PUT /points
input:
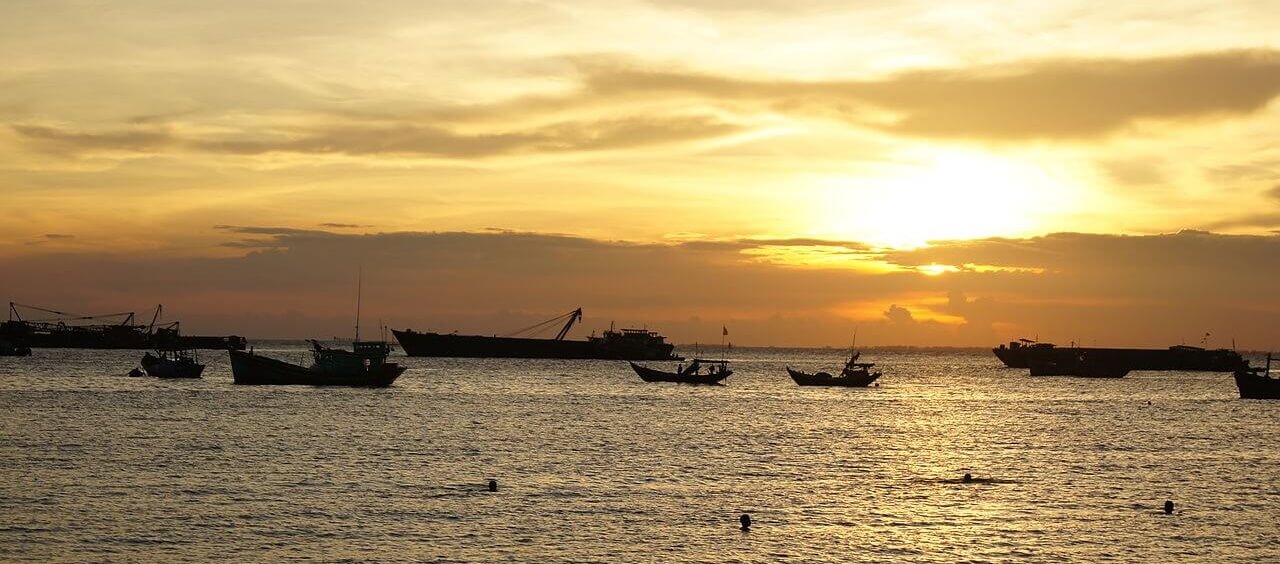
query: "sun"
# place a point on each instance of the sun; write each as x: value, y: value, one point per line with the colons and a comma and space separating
x: 938, y: 194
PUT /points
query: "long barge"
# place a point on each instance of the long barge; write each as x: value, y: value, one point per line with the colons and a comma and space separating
x: 621, y: 344
x: 1025, y: 353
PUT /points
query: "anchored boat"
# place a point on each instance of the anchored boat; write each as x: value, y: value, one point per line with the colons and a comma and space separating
x: 621, y: 344
x: 364, y: 366
x: 854, y: 375
x: 699, y: 371
x: 1023, y: 353
x: 1255, y: 382
x: 172, y: 363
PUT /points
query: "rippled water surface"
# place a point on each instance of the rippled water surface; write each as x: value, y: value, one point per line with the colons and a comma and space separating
x: 595, y: 465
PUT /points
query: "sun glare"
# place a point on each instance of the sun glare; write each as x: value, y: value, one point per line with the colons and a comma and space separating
x: 943, y: 194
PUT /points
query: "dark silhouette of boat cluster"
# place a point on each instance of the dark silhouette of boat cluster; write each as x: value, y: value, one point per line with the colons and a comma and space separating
x: 109, y: 331
x: 1027, y: 353
x: 366, y: 364
x: 712, y: 372
x: 1047, y: 359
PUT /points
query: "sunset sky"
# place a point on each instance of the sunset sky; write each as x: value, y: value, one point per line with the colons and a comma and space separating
x: 931, y: 174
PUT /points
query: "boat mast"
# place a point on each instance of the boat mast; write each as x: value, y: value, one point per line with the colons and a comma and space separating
x: 853, y: 345
x: 359, y: 279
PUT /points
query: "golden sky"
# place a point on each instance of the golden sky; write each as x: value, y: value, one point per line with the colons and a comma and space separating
x: 940, y: 174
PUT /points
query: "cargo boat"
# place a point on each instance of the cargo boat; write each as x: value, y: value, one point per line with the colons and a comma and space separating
x: 620, y: 344
x: 1024, y: 353
x: 71, y: 331
x: 364, y: 366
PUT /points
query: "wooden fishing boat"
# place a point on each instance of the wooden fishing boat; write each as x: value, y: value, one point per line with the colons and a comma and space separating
x: 364, y: 366
x: 854, y: 375
x: 172, y: 364
x: 1255, y: 382
x: 699, y: 371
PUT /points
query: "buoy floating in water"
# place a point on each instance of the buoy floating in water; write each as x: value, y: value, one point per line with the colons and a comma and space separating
x: 493, y: 485
x: 746, y: 522
x: 1168, y: 507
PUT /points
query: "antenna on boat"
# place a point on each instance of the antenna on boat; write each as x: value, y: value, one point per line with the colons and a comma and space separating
x: 359, y: 280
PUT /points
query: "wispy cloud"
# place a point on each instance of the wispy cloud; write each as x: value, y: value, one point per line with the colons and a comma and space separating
x: 1057, y: 99
x: 408, y: 139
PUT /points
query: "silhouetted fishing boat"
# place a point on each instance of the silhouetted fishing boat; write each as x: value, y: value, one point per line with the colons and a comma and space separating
x: 694, y: 373
x: 110, y: 331
x: 364, y: 366
x: 854, y: 375
x: 1255, y: 382
x: 1022, y: 353
x: 621, y: 344
x: 172, y: 364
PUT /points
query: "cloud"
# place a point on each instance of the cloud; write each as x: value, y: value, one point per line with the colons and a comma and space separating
x: 136, y: 140
x: 397, y: 139
x: 618, y: 105
x: 1053, y: 99
x: 1123, y: 290
x: 50, y: 238
x: 899, y: 314
x: 344, y: 225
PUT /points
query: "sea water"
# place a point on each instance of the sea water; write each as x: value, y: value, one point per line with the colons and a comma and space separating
x: 594, y: 465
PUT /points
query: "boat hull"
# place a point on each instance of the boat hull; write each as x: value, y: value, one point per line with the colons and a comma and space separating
x: 248, y: 368
x: 860, y: 380
x: 1257, y: 386
x: 8, y: 349
x: 1174, y: 358
x: 1079, y: 370
x: 165, y: 368
x: 651, y: 375
x: 478, y: 346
